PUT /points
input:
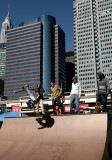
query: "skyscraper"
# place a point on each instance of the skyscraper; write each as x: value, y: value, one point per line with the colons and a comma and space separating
x: 92, y: 40
x: 2, y: 60
x: 6, y: 25
x: 33, y: 50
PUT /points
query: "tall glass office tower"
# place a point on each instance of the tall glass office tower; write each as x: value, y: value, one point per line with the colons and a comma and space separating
x: 35, y: 53
x: 47, y: 22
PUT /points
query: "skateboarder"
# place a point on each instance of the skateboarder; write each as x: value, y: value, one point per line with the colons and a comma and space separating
x: 34, y: 96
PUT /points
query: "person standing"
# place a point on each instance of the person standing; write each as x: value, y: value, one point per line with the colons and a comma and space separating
x: 56, y: 92
x: 75, y: 94
x: 103, y: 89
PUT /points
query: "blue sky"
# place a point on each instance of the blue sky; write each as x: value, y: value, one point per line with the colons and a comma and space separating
x: 22, y: 10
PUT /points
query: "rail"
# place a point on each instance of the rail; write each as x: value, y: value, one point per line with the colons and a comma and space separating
x: 87, y: 96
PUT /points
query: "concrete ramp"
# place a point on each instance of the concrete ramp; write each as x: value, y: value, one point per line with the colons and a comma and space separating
x: 74, y: 137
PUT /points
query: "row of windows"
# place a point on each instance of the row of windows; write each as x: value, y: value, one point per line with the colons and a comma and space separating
x: 104, y: 20
x: 103, y: 36
x: 25, y: 51
x: 84, y: 6
x: 107, y: 57
x: 107, y: 70
x: 85, y: 31
x: 21, y: 75
x: 22, y: 78
x: 104, y: 8
x: 23, y: 46
x: 85, y: 50
x: 88, y: 82
x: 107, y: 61
x: 86, y: 12
x: 18, y: 64
x: 23, y: 30
x: 84, y: 27
x: 23, y: 41
x: 86, y: 74
x: 22, y: 67
x: 84, y: 39
x: 105, y: 28
x: 24, y: 70
x: 102, y: 49
x: 22, y: 38
x: 23, y: 61
x: 25, y: 55
x: 105, y: 66
x: 29, y: 81
x: 86, y: 46
x: 103, y: 4
x: 33, y: 33
x: 24, y: 27
x: 105, y: 24
x: 107, y: 52
x: 103, y: 1
x: 18, y: 47
x: 89, y: 57
x: 83, y: 24
x: 85, y: 54
x: 2, y: 53
x: 86, y: 70
x: 105, y: 15
x: 106, y: 40
x: 85, y: 65
x: 85, y: 42
x: 89, y: 87
x: 84, y: 35
x: 106, y: 44
x: 83, y: 20
x: 27, y: 59
x: 86, y: 78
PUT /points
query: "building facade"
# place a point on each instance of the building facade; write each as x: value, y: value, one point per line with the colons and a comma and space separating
x: 70, y: 69
x: 70, y: 56
x: 30, y: 55
x: 92, y: 40
x: 6, y: 25
x: 2, y: 60
x: 59, y: 61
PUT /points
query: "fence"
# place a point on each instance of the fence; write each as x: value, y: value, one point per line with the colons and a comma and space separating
x: 87, y: 97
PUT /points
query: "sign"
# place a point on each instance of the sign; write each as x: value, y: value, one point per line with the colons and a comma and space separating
x: 16, y: 108
x: 67, y: 107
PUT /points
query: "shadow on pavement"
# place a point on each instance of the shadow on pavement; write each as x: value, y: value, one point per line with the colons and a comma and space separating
x: 46, y: 121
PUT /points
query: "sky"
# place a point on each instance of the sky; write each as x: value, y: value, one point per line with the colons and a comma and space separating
x: 23, y: 10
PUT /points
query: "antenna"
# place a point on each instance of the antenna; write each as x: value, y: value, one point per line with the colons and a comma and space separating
x: 8, y: 8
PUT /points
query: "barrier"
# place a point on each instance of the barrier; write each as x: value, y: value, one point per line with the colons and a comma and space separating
x: 87, y: 97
